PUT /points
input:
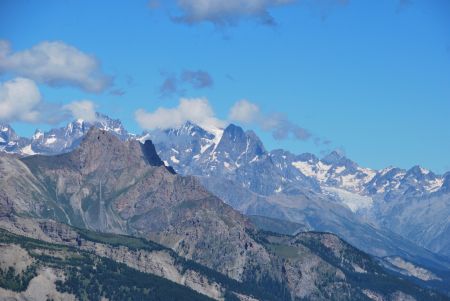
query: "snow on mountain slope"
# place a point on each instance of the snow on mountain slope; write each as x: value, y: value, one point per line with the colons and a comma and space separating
x: 59, y: 140
x: 240, y: 171
x: 9, y: 141
x: 352, y: 200
x: 336, y: 171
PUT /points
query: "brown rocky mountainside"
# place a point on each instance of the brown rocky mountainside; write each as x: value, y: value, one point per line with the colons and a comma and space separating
x: 107, y: 185
x: 112, y: 186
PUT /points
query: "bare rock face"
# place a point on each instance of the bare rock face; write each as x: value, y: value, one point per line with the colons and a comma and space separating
x: 13, y: 256
x: 41, y: 287
x: 109, y: 185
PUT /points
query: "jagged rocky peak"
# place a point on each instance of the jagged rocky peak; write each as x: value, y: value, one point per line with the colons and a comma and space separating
x: 104, y: 146
x: 333, y: 158
x: 38, y: 135
x: 233, y: 137
x: 67, y: 138
x: 7, y: 135
x: 235, y: 141
x: 383, y: 177
x: 420, y: 173
x: 59, y: 140
x: 397, y: 181
x: 150, y: 154
x: 255, y: 143
x: 99, y: 146
x: 99, y: 138
x: 189, y: 128
x: 10, y: 142
x: 308, y: 157
x: 81, y: 127
x: 101, y: 149
x: 446, y: 182
x: 337, y: 158
x: 234, y: 133
x: 7, y: 131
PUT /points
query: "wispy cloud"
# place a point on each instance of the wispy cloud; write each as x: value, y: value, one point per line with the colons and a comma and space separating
x: 282, y: 128
x: 169, y: 85
x: 199, y: 111
x: 403, y: 5
x: 176, y: 84
x: 154, y: 4
x: 225, y: 13
x: 117, y: 92
x: 230, y: 12
x: 198, y: 79
x: 277, y: 124
x: 323, y: 8
x: 55, y: 64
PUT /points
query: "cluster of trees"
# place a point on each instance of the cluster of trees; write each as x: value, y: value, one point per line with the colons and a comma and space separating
x: 376, y: 278
x: 93, y: 278
x: 17, y: 282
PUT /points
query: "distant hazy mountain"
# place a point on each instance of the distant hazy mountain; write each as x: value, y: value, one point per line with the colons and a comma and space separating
x: 10, y: 142
x: 59, y: 140
x: 330, y: 194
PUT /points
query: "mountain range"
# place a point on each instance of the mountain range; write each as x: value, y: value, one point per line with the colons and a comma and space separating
x: 320, y: 193
x: 114, y: 181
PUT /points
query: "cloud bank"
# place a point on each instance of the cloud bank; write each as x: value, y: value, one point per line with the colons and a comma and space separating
x: 199, y: 111
x: 196, y: 110
x: 55, y: 64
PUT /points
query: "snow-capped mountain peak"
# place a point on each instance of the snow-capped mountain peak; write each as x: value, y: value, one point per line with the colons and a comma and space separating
x: 333, y: 158
x: 194, y: 149
x: 275, y: 183
x: 9, y: 141
x: 334, y: 170
x: 184, y: 144
x: 38, y: 134
x: 58, y: 140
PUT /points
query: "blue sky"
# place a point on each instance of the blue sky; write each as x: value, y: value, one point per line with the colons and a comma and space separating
x: 370, y: 77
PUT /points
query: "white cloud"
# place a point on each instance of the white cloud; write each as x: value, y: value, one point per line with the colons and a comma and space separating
x: 55, y: 64
x: 244, y: 111
x: 83, y: 109
x: 278, y: 124
x: 196, y: 110
x: 19, y: 99
x: 222, y: 12
x: 282, y: 128
x: 199, y: 111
